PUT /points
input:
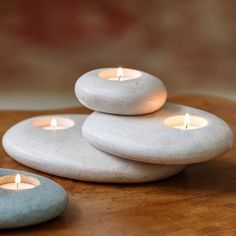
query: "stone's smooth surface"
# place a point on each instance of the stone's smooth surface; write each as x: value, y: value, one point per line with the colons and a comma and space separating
x: 148, y: 139
x: 141, y: 95
x: 66, y: 153
x: 33, y: 206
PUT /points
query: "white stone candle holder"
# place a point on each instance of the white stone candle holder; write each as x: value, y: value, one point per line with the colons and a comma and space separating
x: 64, y: 152
x: 33, y: 200
x: 162, y: 137
x: 131, y: 93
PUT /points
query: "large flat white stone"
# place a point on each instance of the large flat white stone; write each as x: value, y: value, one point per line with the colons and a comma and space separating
x: 149, y: 139
x: 141, y: 95
x: 66, y: 153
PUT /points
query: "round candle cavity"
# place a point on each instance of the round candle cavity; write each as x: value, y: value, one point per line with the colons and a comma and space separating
x: 53, y: 123
x: 178, y: 122
x: 119, y: 74
x: 8, y: 182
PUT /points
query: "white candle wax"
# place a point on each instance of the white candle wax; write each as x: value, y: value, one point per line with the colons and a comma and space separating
x: 120, y: 78
x: 184, y: 127
x: 54, y: 128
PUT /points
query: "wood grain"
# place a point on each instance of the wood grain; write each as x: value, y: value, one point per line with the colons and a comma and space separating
x: 199, y: 201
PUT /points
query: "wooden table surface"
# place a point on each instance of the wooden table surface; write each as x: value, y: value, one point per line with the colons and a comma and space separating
x: 199, y: 201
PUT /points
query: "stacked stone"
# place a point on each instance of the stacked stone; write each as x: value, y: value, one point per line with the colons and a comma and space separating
x: 133, y: 136
x: 132, y: 121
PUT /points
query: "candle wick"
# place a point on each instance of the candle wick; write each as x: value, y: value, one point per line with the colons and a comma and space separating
x: 17, y: 185
x: 186, y: 126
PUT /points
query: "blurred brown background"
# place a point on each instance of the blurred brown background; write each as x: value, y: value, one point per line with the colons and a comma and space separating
x: 47, y: 45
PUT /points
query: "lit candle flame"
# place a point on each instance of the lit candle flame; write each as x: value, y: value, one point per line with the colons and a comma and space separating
x: 119, y: 73
x: 17, y: 180
x: 53, y: 123
x: 186, y: 121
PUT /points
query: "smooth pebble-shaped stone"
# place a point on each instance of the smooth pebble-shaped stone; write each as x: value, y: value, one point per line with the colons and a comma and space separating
x: 33, y: 206
x: 143, y: 94
x: 66, y: 153
x: 151, y: 138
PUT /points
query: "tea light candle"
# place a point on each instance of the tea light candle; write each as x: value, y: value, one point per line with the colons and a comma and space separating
x: 17, y: 183
x: 186, y: 122
x: 119, y: 74
x: 53, y: 123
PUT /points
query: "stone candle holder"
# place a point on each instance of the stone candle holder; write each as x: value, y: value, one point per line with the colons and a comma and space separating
x: 160, y: 137
x: 66, y: 153
x: 43, y: 201
x: 133, y: 93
